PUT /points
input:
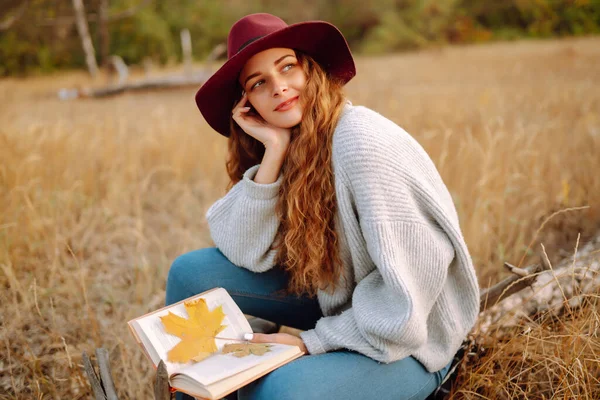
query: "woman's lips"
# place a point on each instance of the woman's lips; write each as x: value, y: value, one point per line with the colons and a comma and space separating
x: 287, y: 105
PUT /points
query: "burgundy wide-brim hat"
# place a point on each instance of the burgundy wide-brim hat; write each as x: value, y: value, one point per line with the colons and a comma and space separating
x: 257, y: 32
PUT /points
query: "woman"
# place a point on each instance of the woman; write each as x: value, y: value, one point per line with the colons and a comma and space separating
x: 336, y: 222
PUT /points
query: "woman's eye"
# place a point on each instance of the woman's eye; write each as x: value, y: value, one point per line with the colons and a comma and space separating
x: 285, y: 69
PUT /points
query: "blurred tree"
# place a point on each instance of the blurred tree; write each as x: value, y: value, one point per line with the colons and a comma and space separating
x: 40, y: 35
x: 12, y: 11
x: 84, y: 34
x: 355, y: 18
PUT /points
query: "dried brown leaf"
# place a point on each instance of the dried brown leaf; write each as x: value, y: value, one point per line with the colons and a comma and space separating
x: 245, y: 349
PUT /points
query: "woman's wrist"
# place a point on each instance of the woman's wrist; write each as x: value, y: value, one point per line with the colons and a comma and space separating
x: 303, y: 347
x: 270, y: 166
x: 278, y: 145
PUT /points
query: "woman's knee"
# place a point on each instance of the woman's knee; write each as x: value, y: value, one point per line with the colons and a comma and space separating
x: 183, y: 277
x: 285, y: 383
x: 340, y: 375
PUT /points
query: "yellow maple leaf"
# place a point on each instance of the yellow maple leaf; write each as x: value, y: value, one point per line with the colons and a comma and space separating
x: 197, y: 333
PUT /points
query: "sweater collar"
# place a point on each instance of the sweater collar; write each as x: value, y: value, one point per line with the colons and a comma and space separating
x: 347, y: 107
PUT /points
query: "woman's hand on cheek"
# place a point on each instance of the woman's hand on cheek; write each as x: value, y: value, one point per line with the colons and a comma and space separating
x: 283, y: 338
x: 258, y: 128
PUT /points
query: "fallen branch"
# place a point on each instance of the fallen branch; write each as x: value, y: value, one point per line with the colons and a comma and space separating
x: 169, y: 82
x: 555, y: 289
x: 522, y: 279
x: 188, y: 78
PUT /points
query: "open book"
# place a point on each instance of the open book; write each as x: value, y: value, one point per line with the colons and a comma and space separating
x: 219, y: 374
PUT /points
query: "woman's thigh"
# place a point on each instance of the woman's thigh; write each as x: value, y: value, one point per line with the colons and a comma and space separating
x: 204, y: 269
x: 345, y: 375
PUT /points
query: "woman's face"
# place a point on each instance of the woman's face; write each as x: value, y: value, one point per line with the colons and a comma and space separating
x: 270, y: 78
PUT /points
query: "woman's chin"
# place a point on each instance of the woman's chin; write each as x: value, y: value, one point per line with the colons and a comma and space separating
x: 288, y: 121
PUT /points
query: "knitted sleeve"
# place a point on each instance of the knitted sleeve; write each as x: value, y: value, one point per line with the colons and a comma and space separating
x: 243, y: 223
x: 389, y: 178
x: 391, y: 305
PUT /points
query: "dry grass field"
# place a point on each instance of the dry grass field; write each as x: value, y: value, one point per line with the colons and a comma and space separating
x: 97, y: 197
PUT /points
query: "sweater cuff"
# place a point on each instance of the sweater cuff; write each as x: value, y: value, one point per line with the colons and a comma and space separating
x: 312, y: 342
x: 260, y: 191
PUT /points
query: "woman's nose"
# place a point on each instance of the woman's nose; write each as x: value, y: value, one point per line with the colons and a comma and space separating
x: 279, y: 86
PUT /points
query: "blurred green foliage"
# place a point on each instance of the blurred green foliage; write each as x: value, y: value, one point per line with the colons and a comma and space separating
x: 44, y: 38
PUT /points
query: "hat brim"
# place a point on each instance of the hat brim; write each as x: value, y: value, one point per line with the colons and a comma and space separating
x: 320, y: 39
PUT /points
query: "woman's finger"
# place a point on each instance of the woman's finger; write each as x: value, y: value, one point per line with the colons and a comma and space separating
x: 264, y: 338
x: 282, y: 338
x: 238, y: 117
x: 241, y: 102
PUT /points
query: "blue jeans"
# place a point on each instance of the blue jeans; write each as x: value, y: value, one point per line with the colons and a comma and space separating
x: 340, y: 374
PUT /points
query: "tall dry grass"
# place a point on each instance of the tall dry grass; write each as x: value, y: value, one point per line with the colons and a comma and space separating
x: 544, y: 356
x: 97, y: 197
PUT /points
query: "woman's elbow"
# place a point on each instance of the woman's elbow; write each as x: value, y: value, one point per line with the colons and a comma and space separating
x: 245, y: 259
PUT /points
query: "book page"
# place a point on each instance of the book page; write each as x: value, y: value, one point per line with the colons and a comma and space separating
x: 235, y: 322
x: 219, y: 366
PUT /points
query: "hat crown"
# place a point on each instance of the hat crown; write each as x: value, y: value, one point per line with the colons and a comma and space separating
x: 250, y: 28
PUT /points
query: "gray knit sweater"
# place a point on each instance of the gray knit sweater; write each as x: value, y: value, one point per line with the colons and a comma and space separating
x: 413, y: 287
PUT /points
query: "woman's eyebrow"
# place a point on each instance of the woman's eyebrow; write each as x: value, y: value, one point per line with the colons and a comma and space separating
x: 258, y: 73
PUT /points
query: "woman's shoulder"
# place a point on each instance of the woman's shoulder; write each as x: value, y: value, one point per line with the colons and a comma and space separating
x: 357, y: 117
x: 363, y: 133
x: 371, y: 152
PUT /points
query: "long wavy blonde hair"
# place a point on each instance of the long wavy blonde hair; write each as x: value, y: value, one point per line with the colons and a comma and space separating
x: 306, y: 242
